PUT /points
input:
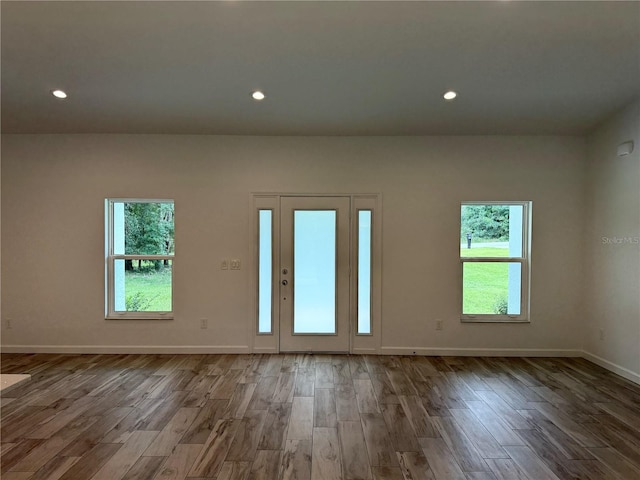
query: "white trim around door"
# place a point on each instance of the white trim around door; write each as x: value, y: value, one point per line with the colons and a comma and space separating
x: 357, y: 272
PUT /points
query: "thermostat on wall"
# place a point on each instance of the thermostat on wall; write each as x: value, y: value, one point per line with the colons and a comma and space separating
x: 625, y: 148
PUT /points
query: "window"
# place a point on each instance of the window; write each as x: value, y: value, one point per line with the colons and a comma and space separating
x: 139, y: 258
x: 494, y: 253
x: 364, y: 272
x: 265, y: 271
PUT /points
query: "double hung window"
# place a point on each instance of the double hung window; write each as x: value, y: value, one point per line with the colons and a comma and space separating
x: 139, y: 252
x: 494, y: 253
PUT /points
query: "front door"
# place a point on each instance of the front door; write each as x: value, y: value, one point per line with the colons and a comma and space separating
x: 314, y: 274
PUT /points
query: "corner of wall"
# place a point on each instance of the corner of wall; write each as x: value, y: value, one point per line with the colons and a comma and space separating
x: 611, y: 329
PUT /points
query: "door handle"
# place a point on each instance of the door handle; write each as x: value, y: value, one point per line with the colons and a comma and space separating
x: 285, y: 282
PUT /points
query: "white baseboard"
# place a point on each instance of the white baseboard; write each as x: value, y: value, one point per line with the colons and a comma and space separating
x: 613, y: 367
x: 481, y: 352
x: 213, y: 349
x: 129, y: 349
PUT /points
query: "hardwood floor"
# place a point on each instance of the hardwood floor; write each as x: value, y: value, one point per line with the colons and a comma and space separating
x: 232, y: 417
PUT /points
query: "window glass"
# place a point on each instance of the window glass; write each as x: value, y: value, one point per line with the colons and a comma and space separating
x: 486, y: 288
x: 140, y: 255
x: 314, y: 288
x: 491, y: 231
x: 364, y: 272
x: 265, y: 265
x: 146, y: 288
x: 493, y: 246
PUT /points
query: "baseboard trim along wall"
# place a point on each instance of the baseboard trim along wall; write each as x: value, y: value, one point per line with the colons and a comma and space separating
x: 213, y: 349
x: 613, y: 367
x: 481, y: 352
x: 129, y: 349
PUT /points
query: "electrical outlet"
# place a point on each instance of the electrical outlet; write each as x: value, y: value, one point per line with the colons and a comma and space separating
x: 9, y: 325
x: 204, y: 323
x: 235, y: 264
x: 438, y: 324
x: 601, y: 334
x: 224, y: 264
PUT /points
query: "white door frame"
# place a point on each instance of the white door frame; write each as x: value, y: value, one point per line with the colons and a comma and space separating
x: 269, y: 341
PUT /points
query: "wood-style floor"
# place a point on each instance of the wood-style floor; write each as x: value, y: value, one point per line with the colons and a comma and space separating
x: 223, y: 417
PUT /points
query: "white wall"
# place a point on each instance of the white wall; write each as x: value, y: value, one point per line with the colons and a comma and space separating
x: 54, y: 186
x: 612, y: 294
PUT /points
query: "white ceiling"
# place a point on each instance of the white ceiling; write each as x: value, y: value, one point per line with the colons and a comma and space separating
x: 327, y: 68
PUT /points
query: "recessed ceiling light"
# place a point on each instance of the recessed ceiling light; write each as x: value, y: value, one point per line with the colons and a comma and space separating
x: 58, y: 94
x: 258, y: 95
x: 450, y: 95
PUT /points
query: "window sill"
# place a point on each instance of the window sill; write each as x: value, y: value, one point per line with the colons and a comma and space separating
x: 149, y: 317
x: 495, y: 320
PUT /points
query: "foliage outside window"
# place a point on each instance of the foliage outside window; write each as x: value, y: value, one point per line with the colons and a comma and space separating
x: 140, y: 251
x: 494, y: 245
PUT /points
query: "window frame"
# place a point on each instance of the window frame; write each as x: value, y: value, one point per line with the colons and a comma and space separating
x: 110, y: 259
x: 525, y: 268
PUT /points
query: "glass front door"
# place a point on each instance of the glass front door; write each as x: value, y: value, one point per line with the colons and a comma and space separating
x: 314, y: 274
